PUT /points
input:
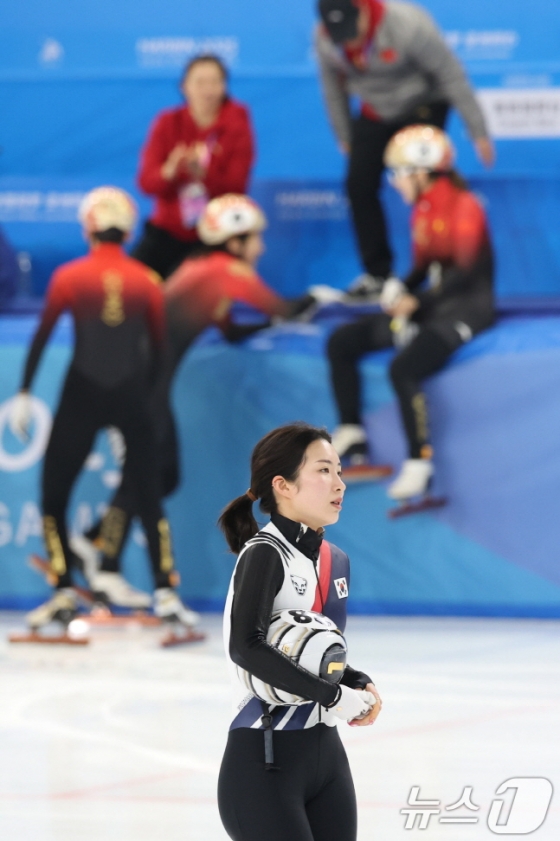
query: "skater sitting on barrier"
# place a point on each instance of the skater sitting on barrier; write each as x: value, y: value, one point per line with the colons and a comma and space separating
x: 118, y: 312
x: 426, y: 321
x: 198, y: 295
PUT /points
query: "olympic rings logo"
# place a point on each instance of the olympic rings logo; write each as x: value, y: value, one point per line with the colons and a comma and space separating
x: 35, y: 447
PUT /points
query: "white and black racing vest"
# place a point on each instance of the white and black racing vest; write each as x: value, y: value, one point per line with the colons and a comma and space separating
x: 322, y: 588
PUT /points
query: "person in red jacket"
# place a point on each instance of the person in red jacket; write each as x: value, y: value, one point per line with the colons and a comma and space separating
x: 118, y: 311
x: 194, y: 153
x: 446, y: 299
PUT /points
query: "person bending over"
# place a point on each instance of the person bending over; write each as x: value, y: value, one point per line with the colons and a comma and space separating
x: 392, y: 58
x: 200, y: 294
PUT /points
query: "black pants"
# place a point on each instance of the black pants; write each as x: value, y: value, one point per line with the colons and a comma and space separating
x: 161, y: 251
x: 84, y: 409
x: 365, y: 167
x: 309, y: 798
x: 111, y: 532
x: 426, y: 354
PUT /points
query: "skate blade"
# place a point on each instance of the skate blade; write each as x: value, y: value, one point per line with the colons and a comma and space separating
x: 424, y: 504
x: 365, y: 473
x: 44, y: 639
x: 190, y: 635
x: 43, y: 567
x: 101, y: 616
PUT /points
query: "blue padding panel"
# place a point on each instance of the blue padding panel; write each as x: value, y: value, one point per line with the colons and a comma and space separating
x: 492, y: 551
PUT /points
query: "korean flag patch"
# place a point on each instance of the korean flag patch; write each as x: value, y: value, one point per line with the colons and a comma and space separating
x: 300, y: 584
x: 341, y: 588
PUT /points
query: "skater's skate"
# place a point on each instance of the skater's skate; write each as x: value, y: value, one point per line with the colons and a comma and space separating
x: 350, y: 442
x: 62, y: 608
x: 86, y: 554
x: 411, y: 487
x: 182, y: 620
x: 110, y: 588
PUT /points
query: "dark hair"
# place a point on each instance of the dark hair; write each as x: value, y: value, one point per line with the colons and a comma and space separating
x: 200, y: 59
x: 455, y: 177
x: 203, y: 250
x: 110, y: 235
x: 280, y: 453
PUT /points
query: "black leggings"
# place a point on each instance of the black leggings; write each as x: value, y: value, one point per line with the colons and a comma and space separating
x: 161, y: 251
x: 365, y: 167
x: 426, y: 354
x: 111, y: 532
x: 309, y: 798
x: 84, y: 409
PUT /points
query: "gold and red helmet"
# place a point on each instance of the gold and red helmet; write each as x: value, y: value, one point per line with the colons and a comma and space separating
x: 229, y: 216
x: 420, y: 147
x: 107, y: 207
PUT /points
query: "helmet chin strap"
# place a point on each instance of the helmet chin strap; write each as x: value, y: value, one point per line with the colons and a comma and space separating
x: 418, y: 188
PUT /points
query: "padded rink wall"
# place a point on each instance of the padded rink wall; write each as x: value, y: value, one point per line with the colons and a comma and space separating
x: 492, y: 551
x: 80, y: 84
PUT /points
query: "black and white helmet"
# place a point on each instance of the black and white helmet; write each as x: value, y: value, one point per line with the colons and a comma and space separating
x: 309, y: 639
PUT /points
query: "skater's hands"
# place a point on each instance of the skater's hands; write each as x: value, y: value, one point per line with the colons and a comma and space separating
x: 177, y: 160
x: 352, y: 703
x: 325, y: 294
x: 393, y: 291
x: 373, y: 713
x: 485, y: 151
x: 20, y: 415
x: 406, y: 306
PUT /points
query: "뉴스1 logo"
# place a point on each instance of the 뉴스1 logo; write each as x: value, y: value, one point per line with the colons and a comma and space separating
x: 527, y: 811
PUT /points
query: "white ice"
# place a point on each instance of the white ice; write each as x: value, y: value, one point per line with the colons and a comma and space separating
x: 123, y: 740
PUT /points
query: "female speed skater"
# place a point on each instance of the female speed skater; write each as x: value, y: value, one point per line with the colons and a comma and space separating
x: 285, y: 774
x: 445, y: 300
x: 199, y: 294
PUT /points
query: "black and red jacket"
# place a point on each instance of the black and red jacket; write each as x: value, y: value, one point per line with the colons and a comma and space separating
x: 451, y: 245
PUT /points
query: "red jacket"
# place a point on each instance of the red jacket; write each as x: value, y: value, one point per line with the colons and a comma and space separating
x: 231, y: 150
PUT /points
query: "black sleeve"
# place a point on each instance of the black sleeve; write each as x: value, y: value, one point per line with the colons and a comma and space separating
x: 415, y: 277
x: 258, y: 578
x: 234, y: 332
x: 297, y: 306
x: 35, y: 352
x: 355, y: 679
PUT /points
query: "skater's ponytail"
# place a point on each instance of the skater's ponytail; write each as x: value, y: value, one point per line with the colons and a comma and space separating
x: 280, y: 453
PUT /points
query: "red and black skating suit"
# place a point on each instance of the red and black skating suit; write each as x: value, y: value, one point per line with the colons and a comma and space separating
x: 117, y: 307
x: 200, y: 294
x: 452, y: 278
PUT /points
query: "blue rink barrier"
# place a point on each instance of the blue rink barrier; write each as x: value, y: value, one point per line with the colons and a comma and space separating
x: 492, y: 552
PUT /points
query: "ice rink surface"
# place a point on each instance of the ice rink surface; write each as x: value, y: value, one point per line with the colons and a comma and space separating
x: 123, y: 740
